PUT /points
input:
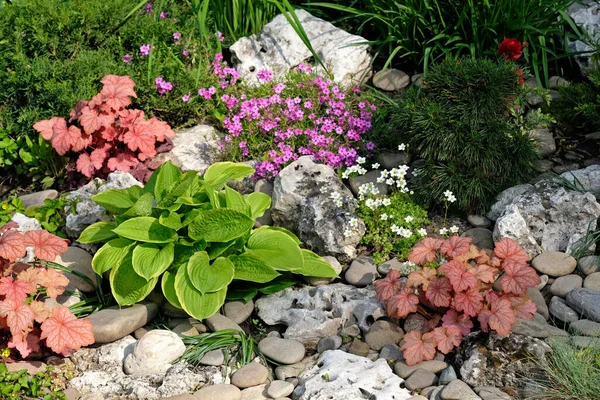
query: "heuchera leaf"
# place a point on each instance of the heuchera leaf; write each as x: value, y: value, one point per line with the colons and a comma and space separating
x: 501, y: 317
x: 117, y: 90
x: 55, y: 282
x: 447, y: 338
x: 460, y: 276
x: 46, y: 246
x: 16, y: 290
x: 402, y: 303
x: 418, y: 347
x: 12, y: 245
x: 425, y: 251
x: 455, y: 246
x: 85, y: 166
x: 25, y: 343
x: 387, y: 287
x: 470, y: 302
x: 19, y: 316
x: 45, y: 127
x: 518, y: 277
x: 438, y: 292
x: 139, y: 137
x: 40, y: 312
x: 421, y: 277
x: 510, y: 251
x: 64, y: 332
x: 62, y: 138
x: 485, y: 273
x: 523, y: 307
x: 461, y: 321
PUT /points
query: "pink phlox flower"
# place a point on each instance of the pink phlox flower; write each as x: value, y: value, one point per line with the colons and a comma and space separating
x: 145, y: 50
x: 264, y: 75
x: 163, y: 86
x: 127, y: 58
x: 186, y: 97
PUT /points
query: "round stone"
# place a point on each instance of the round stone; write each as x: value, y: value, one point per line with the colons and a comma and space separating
x: 383, y: 333
x: 329, y: 343
x: 214, y: 358
x: 420, y: 379
x: 154, y: 353
x: 554, y: 263
x: 79, y: 261
x: 585, y: 327
x: 238, y: 311
x: 478, y: 221
x: 539, y: 301
x: 561, y: 311
x: 221, y: 392
x: 218, y: 322
x: 592, y: 281
x: 362, y: 272
x: 458, y: 390
x: 433, y: 366
x: 415, y: 322
x: 589, y: 264
x: 543, y: 282
x: 394, y: 263
x: 447, y: 375
x: 564, y: 284
x: 186, y: 329
x: 391, y: 80
x: 279, y: 389
x: 249, y: 375
x: 359, y: 348
x: 481, y: 237
x: 391, y: 352
x: 282, y: 351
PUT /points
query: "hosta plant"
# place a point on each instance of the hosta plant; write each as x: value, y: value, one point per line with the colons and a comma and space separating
x: 104, y: 134
x: 455, y: 289
x: 195, y: 236
x: 25, y: 322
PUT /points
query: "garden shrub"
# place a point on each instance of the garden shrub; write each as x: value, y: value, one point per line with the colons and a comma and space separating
x: 462, y: 126
x: 25, y: 322
x: 579, y: 105
x: 183, y: 229
x: 455, y: 286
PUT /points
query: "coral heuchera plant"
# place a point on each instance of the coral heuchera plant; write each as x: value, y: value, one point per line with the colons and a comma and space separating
x: 455, y: 288
x: 25, y: 322
x: 106, y: 134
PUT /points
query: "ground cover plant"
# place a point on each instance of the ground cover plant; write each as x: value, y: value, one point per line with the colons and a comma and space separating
x: 183, y: 230
x: 44, y: 385
x: 454, y: 288
x: 25, y: 322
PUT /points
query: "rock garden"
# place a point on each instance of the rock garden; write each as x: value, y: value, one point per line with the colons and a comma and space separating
x: 209, y: 199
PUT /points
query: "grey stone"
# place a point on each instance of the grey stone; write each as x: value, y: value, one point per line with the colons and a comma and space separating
x: 358, y: 347
x: 218, y: 322
x: 391, y: 352
x: 36, y: 199
x: 565, y: 167
x: 238, y: 311
x: 585, y: 342
x: 537, y: 328
x: 370, y: 177
x: 255, y: 393
x: 458, y: 390
x: 383, y: 333
x: 221, y: 392
x: 447, y: 375
x: 362, y: 272
x: 415, y: 322
x: 113, y: 323
x: 592, y: 281
x: 140, y: 332
x: 418, y: 81
x: 249, y: 375
x: 481, y: 237
x: 491, y: 393
x: 586, y: 178
x: 420, y: 379
x: 214, y: 358
x: 66, y: 300
x: 564, y: 284
x: 433, y: 366
x: 266, y: 187
x: 279, y: 389
x: 542, y: 166
x: 554, y: 263
x: 154, y: 353
x: 316, y: 281
x: 394, y: 263
x: 299, y: 206
x: 350, y: 377
x: 585, y: 327
x: 543, y: 141
x: 391, y: 80
x: 589, y: 264
x: 560, y: 310
x: 292, y: 371
x: 278, y: 48
x: 312, y: 313
x: 538, y: 299
x: 390, y: 159
x: 329, y: 343
x: 548, y: 217
x: 79, y: 261
x: 194, y: 149
x: 543, y: 282
x: 282, y: 351
x: 586, y: 302
x: 479, y: 221
x: 556, y: 81
x: 431, y: 391
x: 505, y: 198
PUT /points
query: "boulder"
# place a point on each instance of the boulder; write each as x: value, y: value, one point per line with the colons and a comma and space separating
x: 312, y: 313
x: 113, y: 323
x: 561, y: 311
x: 543, y: 141
x: 586, y: 302
x: 391, y: 80
x: 587, y: 16
x: 339, y: 375
x: 300, y: 206
x: 586, y: 178
x: 546, y: 216
x: 36, y: 199
x: 278, y: 48
x: 154, y: 353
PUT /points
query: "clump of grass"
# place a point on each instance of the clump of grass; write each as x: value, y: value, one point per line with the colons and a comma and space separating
x: 236, y: 344
x: 568, y: 373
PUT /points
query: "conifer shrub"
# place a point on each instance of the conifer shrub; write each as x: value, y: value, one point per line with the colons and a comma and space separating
x: 461, y: 125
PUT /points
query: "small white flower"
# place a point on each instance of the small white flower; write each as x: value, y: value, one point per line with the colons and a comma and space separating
x: 406, y: 233
x: 402, y: 147
x: 443, y: 231
x: 389, y: 181
x: 448, y: 193
x: 422, y: 232
x: 384, y: 217
x: 409, y: 219
x: 454, y: 229
x: 324, y: 189
x: 386, y: 202
x: 354, y: 222
x: 346, y: 174
x: 375, y: 166
x: 347, y: 233
x: 339, y: 203
x: 411, y: 192
x: 385, y: 173
x: 361, y: 160
x: 394, y: 228
x: 381, y: 179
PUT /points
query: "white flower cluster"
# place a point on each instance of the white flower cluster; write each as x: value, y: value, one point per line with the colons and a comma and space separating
x: 449, y: 196
x: 453, y: 229
x: 401, y: 231
x: 367, y: 189
x: 395, y: 177
x: 337, y: 198
x: 353, y: 224
x: 358, y: 169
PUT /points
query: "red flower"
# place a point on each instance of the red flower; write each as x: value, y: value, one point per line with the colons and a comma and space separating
x: 511, y: 49
x: 520, y: 76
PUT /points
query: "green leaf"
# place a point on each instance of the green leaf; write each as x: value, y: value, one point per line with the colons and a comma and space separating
x: 276, y: 249
x: 220, y: 225
x: 146, y: 229
x: 282, y: 230
x: 207, y: 277
x: 198, y: 305
x: 211, y: 193
x: 116, y: 201
x: 111, y: 255
x: 127, y: 286
x: 316, y: 266
x: 168, y: 288
x: 98, y: 232
x: 149, y: 260
x: 279, y: 284
x: 259, y: 203
x: 185, y: 186
x: 135, y: 192
x: 218, y: 174
x: 162, y: 179
x: 216, y: 248
x: 235, y: 201
x: 141, y: 208
x: 170, y: 220
x: 250, y: 268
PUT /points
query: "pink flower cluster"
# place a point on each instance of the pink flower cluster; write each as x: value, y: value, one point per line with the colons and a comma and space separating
x: 323, y: 121
x: 163, y: 86
x: 227, y: 75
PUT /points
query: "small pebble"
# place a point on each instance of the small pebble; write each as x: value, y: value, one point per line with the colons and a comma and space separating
x: 282, y: 351
x: 434, y: 366
x: 447, y: 375
x: 420, y: 379
x: 214, y: 358
x: 218, y: 322
x: 221, y: 392
x: 359, y: 348
x: 592, y: 281
x: 279, y: 389
x: 238, y: 311
x: 362, y: 272
x: 391, y: 352
x: 329, y: 343
x: 564, y: 284
x: 250, y: 375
